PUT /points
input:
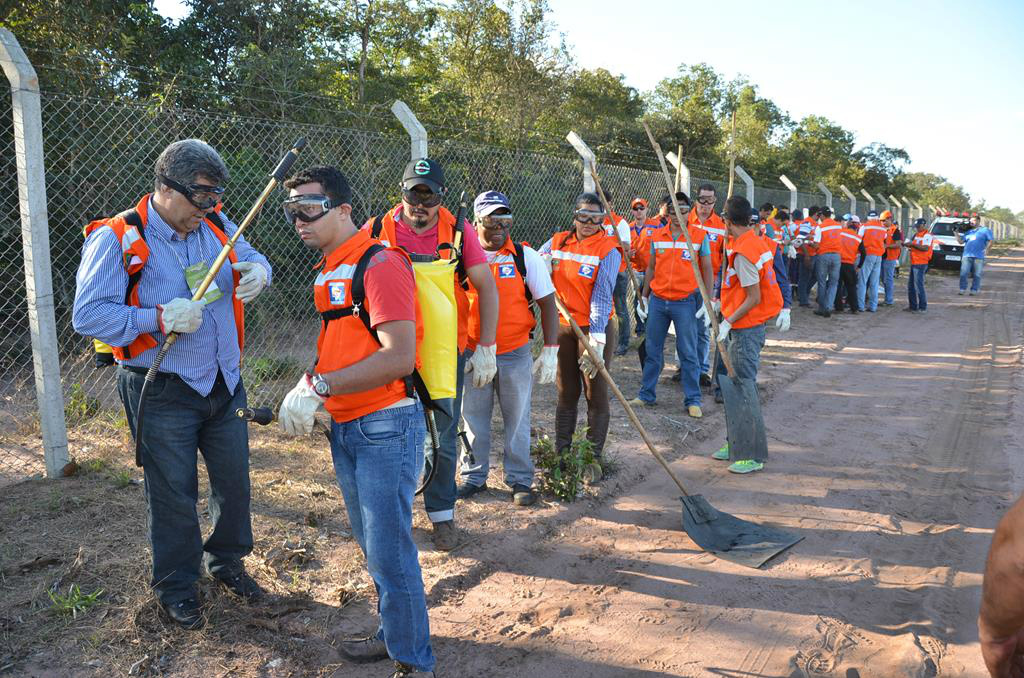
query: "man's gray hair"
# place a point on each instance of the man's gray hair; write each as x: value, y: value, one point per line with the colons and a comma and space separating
x: 182, y: 160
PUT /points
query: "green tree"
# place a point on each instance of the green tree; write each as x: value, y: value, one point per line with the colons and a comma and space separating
x: 687, y: 110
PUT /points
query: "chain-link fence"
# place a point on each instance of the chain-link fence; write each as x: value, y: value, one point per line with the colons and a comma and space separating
x: 99, y: 156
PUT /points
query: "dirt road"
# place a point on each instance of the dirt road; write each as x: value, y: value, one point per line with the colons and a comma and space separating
x: 893, y: 458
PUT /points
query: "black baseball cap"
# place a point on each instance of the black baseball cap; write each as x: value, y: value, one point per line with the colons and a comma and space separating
x: 426, y: 172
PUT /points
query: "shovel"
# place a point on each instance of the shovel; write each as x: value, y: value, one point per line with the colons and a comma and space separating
x: 721, y: 534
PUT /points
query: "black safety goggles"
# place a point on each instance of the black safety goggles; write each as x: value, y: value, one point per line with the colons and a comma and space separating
x: 306, y: 208
x: 420, y: 199
x: 201, y: 196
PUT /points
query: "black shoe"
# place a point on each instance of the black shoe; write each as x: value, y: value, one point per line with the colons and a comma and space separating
x: 363, y: 650
x: 823, y: 314
x: 523, y: 495
x: 705, y: 379
x: 242, y: 585
x: 805, y: 305
x: 467, y: 490
x: 185, y: 613
x: 678, y: 376
x: 718, y: 397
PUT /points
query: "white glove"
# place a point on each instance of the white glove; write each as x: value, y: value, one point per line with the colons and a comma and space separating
x: 547, y: 363
x: 546, y: 258
x: 483, y: 364
x: 702, y: 312
x: 798, y: 242
x: 790, y: 252
x: 723, y: 330
x: 298, y: 408
x: 180, y: 315
x: 587, y: 364
x: 252, y: 282
x: 782, y: 322
x: 642, y: 309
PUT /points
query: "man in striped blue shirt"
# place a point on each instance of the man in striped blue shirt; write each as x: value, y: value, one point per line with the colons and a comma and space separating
x: 134, y: 285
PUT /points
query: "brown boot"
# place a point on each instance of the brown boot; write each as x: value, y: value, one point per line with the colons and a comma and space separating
x: 445, y: 535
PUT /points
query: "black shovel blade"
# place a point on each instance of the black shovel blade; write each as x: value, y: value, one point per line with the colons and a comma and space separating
x: 731, y: 538
x: 743, y: 421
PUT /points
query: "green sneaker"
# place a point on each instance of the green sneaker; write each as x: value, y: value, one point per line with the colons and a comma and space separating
x: 722, y: 454
x: 746, y: 466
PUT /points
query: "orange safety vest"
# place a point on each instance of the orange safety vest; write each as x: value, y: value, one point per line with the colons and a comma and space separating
x: 673, y: 273
x: 917, y: 257
x: 830, y: 231
x: 642, y: 244
x: 715, y: 228
x: 891, y: 253
x: 754, y: 249
x: 135, y: 253
x: 574, y: 267
x: 344, y: 341
x: 517, y: 319
x: 445, y: 250
x: 874, y: 236
x: 850, y: 246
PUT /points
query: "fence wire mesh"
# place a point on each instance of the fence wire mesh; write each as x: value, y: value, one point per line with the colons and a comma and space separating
x: 99, y: 156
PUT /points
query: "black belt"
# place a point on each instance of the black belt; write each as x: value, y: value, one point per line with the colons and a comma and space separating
x: 144, y: 370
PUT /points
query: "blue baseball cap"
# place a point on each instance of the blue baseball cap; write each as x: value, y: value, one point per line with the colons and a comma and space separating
x: 489, y: 202
x: 872, y: 213
x: 846, y: 217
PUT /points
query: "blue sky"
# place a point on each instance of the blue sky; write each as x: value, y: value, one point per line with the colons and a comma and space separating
x: 941, y: 79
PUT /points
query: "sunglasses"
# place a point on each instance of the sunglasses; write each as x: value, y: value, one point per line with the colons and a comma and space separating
x: 639, y: 207
x: 201, y: 196
x: 589, y: 216
x: 306, y: 208
x: 419, y: 198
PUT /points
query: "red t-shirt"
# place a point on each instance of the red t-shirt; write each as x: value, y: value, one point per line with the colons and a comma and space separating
x: 390, y: 288
x: 426, y: 242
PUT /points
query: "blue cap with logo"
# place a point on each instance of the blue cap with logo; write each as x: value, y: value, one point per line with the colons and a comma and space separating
x: 872, y: 214
x: 490, y: 201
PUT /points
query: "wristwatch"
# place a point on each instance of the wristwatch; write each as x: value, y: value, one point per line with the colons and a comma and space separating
x: 320, y: 385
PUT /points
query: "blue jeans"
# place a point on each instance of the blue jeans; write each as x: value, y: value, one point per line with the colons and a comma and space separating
x: 888, y: 278
x: 826, y: 267
x: 806, y: 279
x: 868, y: 281
x: 513, y: 385
x: 971, y: 267
x: 681, y: 314
x: 439, y: 496
x: 745, y: 355
x: 915, y: 287
x: 622, y: 310
x: 178, y: 422
x: 377, y: 459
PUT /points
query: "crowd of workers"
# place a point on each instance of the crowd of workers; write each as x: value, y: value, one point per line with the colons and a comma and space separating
x: 140, y: 269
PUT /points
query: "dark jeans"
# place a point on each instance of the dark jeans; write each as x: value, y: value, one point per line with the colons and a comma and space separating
x: 847, y: 294
x: 179, y: 421
x: 745, y: 355
x: 439, y: 496
x: 915, y: 287
x: 827, y: 267
x: 807, y: 279
x: 622, y: 309
x: 571, y: 383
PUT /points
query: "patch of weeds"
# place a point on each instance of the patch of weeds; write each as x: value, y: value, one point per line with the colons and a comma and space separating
x: 79, y: 406
x: 564, y: 472
x: 55, y: 501
x: 94, y: 466
x: 261, y: 370
x: 122, y: 479
x: 75, y: 602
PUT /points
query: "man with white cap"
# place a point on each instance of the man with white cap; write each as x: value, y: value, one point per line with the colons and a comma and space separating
x: 522, y: 278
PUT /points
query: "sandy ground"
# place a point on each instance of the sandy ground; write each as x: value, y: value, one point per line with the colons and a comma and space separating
x: 891, y: 439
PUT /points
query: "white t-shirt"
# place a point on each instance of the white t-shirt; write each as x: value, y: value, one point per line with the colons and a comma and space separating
x: 538, y: 280
x: 745, y: 271
x: 622, y: 229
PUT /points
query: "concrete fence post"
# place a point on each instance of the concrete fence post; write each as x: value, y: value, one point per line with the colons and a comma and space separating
x: 35, y: 237
x: 412, y: 125
x: 899, y: 208
x: 849, y: 196
x: 683, y: 170
x: 793, y: 197
x: 885, y: 203
x: 871, y: 200
x: 589, y: 160
x: 748, y: 182
x: 827, y: 193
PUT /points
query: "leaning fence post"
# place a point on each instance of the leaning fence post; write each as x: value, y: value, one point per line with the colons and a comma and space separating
x: 827, y: 193
x: 682, y: 170
x: 412, y: 125
x: 871, y: 199
x: 35, y: 237
x: 899, y: 208
x: 792, y: 192
x: 885, y: 203
x: 851, y: 197
x: 588, y: 158
x: 748, y: 181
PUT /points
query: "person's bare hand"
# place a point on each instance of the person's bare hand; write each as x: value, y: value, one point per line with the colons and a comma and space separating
x: 1004, y: 657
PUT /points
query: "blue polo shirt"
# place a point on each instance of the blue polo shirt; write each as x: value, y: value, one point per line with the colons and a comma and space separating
x: 975, y: 242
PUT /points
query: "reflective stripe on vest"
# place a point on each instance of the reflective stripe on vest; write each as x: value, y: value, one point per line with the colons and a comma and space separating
x: 517, y: 320
x: 673, y: 271
x: 754, y: 249
x: 574, y: 267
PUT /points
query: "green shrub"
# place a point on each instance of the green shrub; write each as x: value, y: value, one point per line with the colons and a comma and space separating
x: 564, y: 472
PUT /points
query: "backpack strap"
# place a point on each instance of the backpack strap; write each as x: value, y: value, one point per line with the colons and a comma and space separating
x: 520, y: 258
x: 377, y: 227
x: 132, y: 218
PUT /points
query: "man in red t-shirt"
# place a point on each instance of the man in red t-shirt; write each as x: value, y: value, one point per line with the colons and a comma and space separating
x: 419, y: 224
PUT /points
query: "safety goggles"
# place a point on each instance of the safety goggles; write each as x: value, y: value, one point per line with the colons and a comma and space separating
x: 706, y: 201
x: 493, y: 222
x: 589, y: 216
x: 639, y: 207
x: 202, y: 196
x: 421, y: 199
x: 306, y: 208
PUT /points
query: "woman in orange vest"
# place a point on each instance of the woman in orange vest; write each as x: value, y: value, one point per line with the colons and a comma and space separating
x: 920, y: 255
x: 377, y: 427
x: 750, y: 296
x: 584, y: 265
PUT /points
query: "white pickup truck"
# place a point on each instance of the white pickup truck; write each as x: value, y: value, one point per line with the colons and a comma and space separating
x: 946, y: 251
